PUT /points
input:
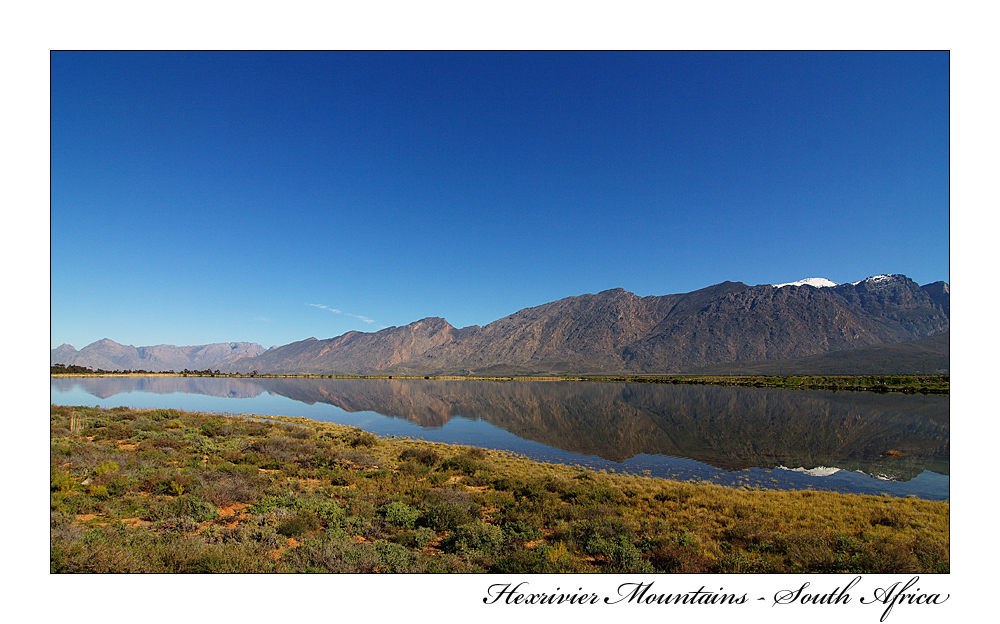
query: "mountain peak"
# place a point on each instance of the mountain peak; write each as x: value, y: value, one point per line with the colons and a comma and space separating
x: 880, y: 279
x: 815, y: 282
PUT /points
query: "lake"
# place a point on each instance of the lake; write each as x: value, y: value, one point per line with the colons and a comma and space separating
x: 857, y: 442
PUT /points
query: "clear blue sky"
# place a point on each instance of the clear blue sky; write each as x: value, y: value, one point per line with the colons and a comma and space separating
x: 217, y: 197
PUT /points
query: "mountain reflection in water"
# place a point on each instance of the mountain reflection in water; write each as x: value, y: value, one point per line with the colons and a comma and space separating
x: 891, y: 437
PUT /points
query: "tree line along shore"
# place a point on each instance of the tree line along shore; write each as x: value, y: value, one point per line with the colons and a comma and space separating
x: 909, y: 384
x: 171, y: 491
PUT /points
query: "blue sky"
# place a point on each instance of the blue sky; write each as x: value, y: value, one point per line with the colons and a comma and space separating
x: 214, y: 197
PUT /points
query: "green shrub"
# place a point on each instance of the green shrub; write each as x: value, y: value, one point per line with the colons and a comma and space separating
x: 114, y: 431
x: 414, y: 469
x: 62, y: 482
x: 211, y: 429
x: 357, y: 438
x: 521, y: 531
x: 193, y: 507
x: 476, y: 536
x: 424, y: 456
x: 620, y: 555
x: 464, y: 463
x: 423, y: 536
x: 164, y: 414
x: 328, y: 511
x: 106, y: 467
x: 271, y: 503
x: 525, y: 561
x: 302, y: 522
x: 334, y: 556
x: 401, y: 515
x: 393, y: 558
x: 445, y: 509
x: 603, y: 527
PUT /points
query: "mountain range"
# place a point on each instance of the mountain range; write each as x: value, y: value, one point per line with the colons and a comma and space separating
x: 725, y: 326
x: 109, y: 355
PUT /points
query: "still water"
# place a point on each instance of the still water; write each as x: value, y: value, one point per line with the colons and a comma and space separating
x: 784, y: 439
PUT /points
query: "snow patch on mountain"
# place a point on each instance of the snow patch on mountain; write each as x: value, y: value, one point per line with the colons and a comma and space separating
x: 815, y: 282
x: 877, y: 279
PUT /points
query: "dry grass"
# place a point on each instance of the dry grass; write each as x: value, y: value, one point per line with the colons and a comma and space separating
x: 237, y: 493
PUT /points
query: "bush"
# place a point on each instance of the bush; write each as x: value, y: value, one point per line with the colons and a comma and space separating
x: 213, y: 429
x: 465, y: 463
x: 179, y: 524
x: 678, y: 559
x: 476, y: 537
x: 302, y: 522
x: 401, y: 515
x: 414, y: 469
x: 193, y: 507
x: 328, y: 511
x: 347, y: 557
x: 357, y: 438
x: 361, y: 459
x: 525, y: 561
x: 424, y: 456
x: 620, y: 555
x: 106, y: 467
x: 603, y: 528
x: 62, y: 482
x: 231, y: 487
x: 521, y: 531
x: 446, y: 509
x: 114, y: 431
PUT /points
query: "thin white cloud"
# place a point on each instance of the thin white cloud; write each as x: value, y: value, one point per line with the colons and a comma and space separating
x: 336, y: 311
x: 264, y: 318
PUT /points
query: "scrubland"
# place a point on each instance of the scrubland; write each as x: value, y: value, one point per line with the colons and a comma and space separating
x: 171, y: 491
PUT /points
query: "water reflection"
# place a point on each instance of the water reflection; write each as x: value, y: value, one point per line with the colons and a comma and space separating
x: 891, y: 437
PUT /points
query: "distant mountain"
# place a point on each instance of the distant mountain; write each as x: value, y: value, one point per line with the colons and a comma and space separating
x: 109, y: 355
x: 618, y: 332
x: 355, y: 352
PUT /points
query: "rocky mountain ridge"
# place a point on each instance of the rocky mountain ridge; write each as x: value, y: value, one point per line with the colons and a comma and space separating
x: 613, y: 331
x: 109, y: 355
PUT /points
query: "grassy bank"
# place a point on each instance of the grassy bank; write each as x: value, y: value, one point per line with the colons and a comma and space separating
x: 171, y: 491
x: 910, y: 384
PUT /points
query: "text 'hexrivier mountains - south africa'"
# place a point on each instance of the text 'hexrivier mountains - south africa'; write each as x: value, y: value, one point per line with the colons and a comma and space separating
x: 882, y: 324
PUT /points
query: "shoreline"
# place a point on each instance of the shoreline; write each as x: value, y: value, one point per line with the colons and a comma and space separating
x: 907, y: 384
